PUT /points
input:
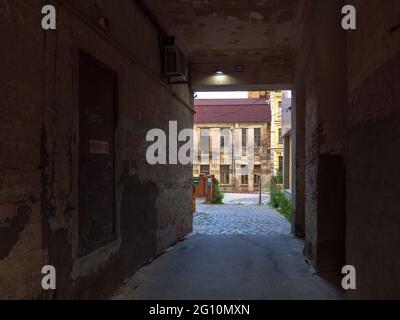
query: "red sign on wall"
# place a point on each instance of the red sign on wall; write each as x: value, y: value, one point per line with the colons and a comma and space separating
x: 98, y: 147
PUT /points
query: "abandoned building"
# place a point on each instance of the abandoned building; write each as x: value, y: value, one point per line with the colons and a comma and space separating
x: 232, y: 142
x: 76, y: 103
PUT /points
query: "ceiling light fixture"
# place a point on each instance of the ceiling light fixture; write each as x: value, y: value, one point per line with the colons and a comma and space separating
x: 219, y: 71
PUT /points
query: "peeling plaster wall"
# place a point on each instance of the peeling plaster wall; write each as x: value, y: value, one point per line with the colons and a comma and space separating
x: 355, y: 138
x: 229, y: 29
x: 38, y: 186
x: 373, y: 155
x: 321, y: 82
x: 21, y: 252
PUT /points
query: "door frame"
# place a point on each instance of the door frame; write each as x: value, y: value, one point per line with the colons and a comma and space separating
x: 82, y: 265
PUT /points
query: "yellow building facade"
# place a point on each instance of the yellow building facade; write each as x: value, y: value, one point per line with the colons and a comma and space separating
x: 275, y: 98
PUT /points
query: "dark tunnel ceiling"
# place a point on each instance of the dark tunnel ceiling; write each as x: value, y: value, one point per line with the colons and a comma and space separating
x: 230, y: 30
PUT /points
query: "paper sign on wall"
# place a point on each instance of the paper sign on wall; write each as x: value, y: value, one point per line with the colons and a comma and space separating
x: 98, y: 147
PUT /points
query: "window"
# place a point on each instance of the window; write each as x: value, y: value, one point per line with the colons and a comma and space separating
x: 244, y: 175
x: 244, y: 138
x: 244, y: 142
x: 257, y: 137
x: 205, y: 170
x: 224, y: 137
x: 224, y: 141
x: 224, y: 174
x: 204, y: 142
x: 280, y: 136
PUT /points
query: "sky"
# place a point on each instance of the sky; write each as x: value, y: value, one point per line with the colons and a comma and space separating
x: 222, y: 95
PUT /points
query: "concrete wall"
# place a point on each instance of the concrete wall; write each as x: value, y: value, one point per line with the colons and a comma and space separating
x: 373, y: 156
x: 38, y: 184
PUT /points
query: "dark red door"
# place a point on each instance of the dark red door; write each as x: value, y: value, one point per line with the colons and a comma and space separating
x: 97, y: 118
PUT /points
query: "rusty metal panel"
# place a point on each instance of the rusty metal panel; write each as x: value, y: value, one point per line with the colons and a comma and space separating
x: 97, y: 118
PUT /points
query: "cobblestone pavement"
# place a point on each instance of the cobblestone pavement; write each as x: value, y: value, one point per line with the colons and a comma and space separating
x: 239, y: 216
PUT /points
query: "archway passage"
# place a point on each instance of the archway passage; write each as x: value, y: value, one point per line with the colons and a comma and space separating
x: 239, y: 183
x: 238, y: 152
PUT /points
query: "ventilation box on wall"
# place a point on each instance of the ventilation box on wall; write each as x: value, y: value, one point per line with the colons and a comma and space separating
x: 175, y: 65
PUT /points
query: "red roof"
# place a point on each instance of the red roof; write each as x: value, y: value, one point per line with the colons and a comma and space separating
x: 232, y: 111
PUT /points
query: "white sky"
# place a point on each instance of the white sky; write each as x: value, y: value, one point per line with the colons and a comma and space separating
x: 223, y: 95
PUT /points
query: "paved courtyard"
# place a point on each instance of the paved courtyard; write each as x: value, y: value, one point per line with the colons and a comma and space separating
x: 240, y: 215
x: 229, y: 267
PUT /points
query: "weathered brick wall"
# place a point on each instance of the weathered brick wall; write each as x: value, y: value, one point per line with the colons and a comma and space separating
x: 38, y: 187
x: 373, y: 155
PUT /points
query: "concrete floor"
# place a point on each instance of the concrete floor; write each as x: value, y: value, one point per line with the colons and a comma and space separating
x: 209, y: 267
